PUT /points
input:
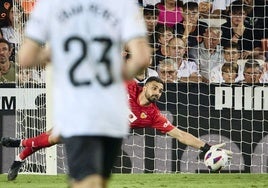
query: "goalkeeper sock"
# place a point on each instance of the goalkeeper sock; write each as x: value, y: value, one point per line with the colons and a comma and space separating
x: 38, y: 141
x: 27, y: 152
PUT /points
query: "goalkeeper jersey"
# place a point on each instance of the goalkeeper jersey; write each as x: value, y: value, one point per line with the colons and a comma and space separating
x: 145, y: 116
x: 86, y: 39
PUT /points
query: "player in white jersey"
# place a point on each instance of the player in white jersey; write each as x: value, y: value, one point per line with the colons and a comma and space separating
x: 89, y: 98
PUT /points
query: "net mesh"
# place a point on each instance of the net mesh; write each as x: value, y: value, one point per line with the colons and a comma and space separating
x: 32, y: 122
x: 235, y: 114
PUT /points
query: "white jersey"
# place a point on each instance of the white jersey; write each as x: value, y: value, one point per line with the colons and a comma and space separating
x: 221, y: 4
x: 86, y: 38
x: 187, y: 68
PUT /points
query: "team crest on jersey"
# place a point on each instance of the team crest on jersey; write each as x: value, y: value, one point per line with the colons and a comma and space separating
x: 143, y: 115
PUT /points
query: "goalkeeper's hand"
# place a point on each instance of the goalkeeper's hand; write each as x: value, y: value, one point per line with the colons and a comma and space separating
x: 214, y: 147
x: 228, y: 152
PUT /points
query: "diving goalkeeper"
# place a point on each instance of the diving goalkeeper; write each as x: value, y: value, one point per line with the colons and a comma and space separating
x: 144, y: 114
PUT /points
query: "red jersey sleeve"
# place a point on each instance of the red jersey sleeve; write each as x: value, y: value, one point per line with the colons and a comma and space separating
x: 161, y: 123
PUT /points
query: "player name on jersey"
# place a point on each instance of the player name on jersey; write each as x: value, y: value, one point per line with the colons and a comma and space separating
x: 95, y: 9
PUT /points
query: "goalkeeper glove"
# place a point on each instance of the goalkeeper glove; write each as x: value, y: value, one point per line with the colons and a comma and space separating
x: 208, y: 147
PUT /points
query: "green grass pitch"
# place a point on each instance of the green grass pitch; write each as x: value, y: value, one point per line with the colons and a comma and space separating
x: 147, y: 181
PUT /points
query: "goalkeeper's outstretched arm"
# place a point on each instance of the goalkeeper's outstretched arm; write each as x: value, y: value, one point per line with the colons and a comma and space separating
x: 191, y: 140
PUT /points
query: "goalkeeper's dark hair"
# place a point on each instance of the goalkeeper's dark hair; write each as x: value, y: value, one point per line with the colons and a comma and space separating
x: 154, y: 79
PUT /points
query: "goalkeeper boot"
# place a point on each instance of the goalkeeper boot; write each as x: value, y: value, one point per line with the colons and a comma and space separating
x: 10, y: 142
x: 14, y: 170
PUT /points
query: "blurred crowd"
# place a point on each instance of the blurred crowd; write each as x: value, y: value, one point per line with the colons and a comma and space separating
x: 211, y: 41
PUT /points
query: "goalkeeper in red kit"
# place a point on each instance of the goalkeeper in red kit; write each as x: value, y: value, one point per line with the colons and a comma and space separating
x: 143, y: 113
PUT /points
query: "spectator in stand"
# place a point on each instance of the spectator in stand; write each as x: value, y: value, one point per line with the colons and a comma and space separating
x: 4, y: 10
x: 168, y: 70
x: 164, y: 34
x: 208, y: 54
x: 215, y: 9
x: 231, y: 55
x: 148, y: 2
x: 204, y: 8
x: 257, y: 18
x: 221, y: 7
x: 144, y: 74
x: 238, y: 31
x: 7, y: 67
x: 229, y: 73
x: 169, y: 12
x: 253, y: 72
x: 150, y: 14
x: 191, y: 28
x: 187, y: 70
x: 8, y: 30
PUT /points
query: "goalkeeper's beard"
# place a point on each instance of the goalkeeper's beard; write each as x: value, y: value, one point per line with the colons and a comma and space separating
x: 152, y: 99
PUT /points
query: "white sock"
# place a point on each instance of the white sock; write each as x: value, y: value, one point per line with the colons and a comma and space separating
x: 18, y: 158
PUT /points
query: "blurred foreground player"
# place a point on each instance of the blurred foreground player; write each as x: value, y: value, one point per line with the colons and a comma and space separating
x: 89, y: 98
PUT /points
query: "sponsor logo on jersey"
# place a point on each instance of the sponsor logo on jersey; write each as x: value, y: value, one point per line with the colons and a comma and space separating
x: 131, y: 116
x: 33, y: 144
x: 166, y: 124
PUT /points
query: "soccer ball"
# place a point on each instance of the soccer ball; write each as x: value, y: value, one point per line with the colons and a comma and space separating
x: 216, y: 159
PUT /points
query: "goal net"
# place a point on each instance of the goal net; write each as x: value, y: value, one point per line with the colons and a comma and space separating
x: 32, y: 85
x: 215, y: 112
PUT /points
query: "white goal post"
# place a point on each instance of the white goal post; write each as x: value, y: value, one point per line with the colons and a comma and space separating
x: 51, y: 152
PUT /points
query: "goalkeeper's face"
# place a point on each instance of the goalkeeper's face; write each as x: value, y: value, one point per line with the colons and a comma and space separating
x: 153, y: 91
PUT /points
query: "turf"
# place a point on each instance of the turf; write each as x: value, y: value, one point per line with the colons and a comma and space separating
x: 147, y: 181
